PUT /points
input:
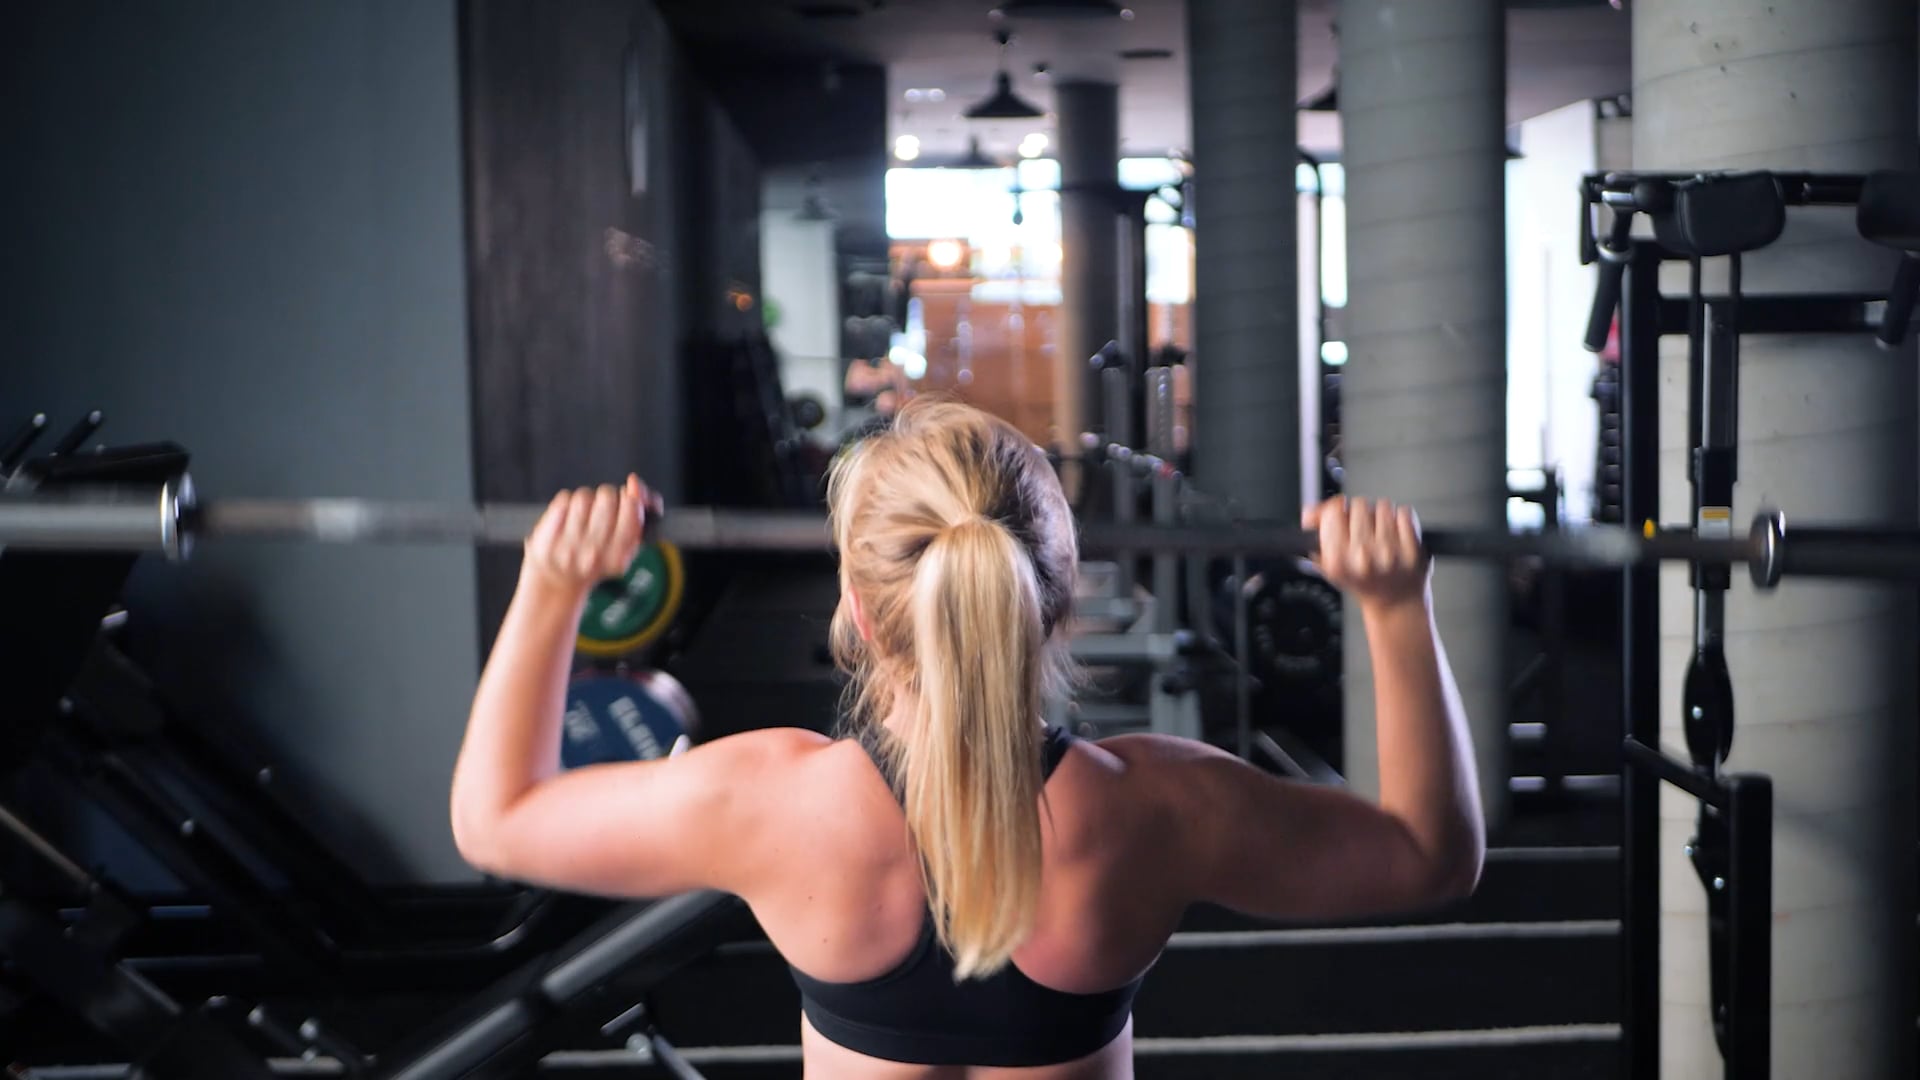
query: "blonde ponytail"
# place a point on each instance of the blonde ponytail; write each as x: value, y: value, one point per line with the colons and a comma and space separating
x: 957, y: 560
x: 973, y: 777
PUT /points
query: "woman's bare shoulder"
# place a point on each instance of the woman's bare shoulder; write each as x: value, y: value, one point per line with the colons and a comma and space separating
x: 1152, y: 753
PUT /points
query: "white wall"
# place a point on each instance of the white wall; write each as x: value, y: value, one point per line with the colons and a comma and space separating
x: 1551, y: 419
x: 239, y: 226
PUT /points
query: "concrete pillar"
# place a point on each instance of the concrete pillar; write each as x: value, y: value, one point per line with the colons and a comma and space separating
x: 1087, y: 128
x: 1423, y: 397
x: 1246, y: 357
x: 1823, y: 674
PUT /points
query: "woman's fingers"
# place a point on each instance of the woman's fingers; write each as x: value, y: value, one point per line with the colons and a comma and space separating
x: 1407, y: 537
x: 588, y: 535
x: 627, y: 525
x: 1370, y: 548
x: 551, y: 526
x: 1361, y: 557
x: 1332, y: 520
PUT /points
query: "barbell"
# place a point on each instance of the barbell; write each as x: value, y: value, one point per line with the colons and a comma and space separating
x: 170, y: 520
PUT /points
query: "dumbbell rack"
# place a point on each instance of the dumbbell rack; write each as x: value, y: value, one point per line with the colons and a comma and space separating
x: 1152, y: 637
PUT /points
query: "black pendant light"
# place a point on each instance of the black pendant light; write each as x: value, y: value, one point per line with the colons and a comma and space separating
x: 1003, y: 103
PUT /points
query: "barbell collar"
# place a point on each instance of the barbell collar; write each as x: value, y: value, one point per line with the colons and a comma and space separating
x: 1769, y: 530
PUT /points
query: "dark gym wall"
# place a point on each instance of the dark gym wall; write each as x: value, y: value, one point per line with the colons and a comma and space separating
x: 237, y: 225
x: 719, y: 270
x: 827, y: 119
x: 574, y: 212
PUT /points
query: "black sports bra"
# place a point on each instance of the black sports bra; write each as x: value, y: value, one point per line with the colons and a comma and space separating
x: 918, y: 1014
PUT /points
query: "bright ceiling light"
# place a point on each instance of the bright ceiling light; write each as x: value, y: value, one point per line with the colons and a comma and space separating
x: 906, y: 147
x: 945, y: 254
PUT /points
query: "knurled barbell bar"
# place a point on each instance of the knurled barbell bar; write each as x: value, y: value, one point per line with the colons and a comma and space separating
x: 169, y: 520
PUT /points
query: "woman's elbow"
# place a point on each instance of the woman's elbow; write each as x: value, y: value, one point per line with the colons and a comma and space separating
x: 477, y: 837
x: 1459, y: 882
x: 1456, y: 876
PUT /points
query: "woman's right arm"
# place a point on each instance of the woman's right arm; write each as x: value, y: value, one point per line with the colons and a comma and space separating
x: 1287, y: 850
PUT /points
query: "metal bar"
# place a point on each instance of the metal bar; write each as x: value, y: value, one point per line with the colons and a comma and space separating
x: 1692, y: 781
x: 1164, y: 503
x: 78, y: 878
x: 1129, y: 648
x: 88, y: 520
x: 1837, y: 314
x: 14, y: 449
x: 1117, y: 390
x: 78, y: 434
x: 670, y: 1059
x: 1796, y: 188
x: 1875, y: 553
x: 1750, y: 930
x: 1696, y: 359
x: 1242, y: 676
x: 144, y: 519
x: 1640, y: 665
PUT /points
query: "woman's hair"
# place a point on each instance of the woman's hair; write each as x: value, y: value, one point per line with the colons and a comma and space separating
x: 956, y: 538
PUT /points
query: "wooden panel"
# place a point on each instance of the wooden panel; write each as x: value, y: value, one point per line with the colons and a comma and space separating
x: 575, y: 376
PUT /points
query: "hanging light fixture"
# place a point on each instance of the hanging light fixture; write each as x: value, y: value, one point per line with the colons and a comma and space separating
x: 1003, y: 103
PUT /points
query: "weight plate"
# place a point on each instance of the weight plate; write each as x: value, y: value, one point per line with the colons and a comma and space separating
x: 1294, y: 629
x: 1293, y: 625
x: 624, y: 717
x: 627, y: 613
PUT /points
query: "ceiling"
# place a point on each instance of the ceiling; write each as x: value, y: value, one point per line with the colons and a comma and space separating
x: 1559, y: 51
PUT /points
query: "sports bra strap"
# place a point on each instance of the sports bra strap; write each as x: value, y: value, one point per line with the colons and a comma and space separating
x: 1055, y: 741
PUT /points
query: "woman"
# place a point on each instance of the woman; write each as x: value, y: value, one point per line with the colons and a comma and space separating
x: 961, y: 891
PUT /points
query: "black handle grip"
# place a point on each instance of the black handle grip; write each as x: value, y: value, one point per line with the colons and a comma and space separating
x: 15, y: 448
x: 78, y: 434
x: 1606, y: 300
x: 1613, y: 268
x: 1906, y: 282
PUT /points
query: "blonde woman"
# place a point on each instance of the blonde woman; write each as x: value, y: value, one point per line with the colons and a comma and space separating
x: 961, y: 891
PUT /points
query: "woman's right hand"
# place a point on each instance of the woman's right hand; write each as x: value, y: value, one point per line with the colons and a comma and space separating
x: 1371, y: 550
x: 588, y: 536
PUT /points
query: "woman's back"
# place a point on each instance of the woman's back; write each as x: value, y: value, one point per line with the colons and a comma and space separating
x: 856, y: 933
x: 955, y: 907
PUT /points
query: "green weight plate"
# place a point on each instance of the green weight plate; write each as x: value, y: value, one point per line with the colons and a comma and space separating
x: 628, y: 612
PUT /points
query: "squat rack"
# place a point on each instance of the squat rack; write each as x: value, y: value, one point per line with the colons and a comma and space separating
x: 1695, y: 216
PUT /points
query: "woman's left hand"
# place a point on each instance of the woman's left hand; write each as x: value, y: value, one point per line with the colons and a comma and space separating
x: 588, y: 535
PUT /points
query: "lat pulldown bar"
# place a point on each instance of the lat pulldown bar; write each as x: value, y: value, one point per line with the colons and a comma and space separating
x: 169, y: 520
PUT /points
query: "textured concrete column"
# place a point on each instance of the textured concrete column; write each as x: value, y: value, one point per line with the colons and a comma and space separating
x: 1241, y: 61
x: 1423, y: 399
x: 1088, y: 130
x: 1823, y: 674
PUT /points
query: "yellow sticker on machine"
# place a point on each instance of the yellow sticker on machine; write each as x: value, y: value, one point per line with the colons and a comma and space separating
x: 1714, y: 522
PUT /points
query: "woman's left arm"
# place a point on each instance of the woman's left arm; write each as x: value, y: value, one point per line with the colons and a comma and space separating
x: 630, y: 829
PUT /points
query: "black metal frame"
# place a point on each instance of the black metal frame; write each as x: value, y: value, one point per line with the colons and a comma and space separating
x: 1732, y: 851
x: 1739, y: 882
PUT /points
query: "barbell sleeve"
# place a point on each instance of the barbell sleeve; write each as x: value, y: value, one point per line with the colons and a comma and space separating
x: 94, y: 519
x: 1846, y: 553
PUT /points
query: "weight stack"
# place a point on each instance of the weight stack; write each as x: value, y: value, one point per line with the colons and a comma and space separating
x: 1607, y: 509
